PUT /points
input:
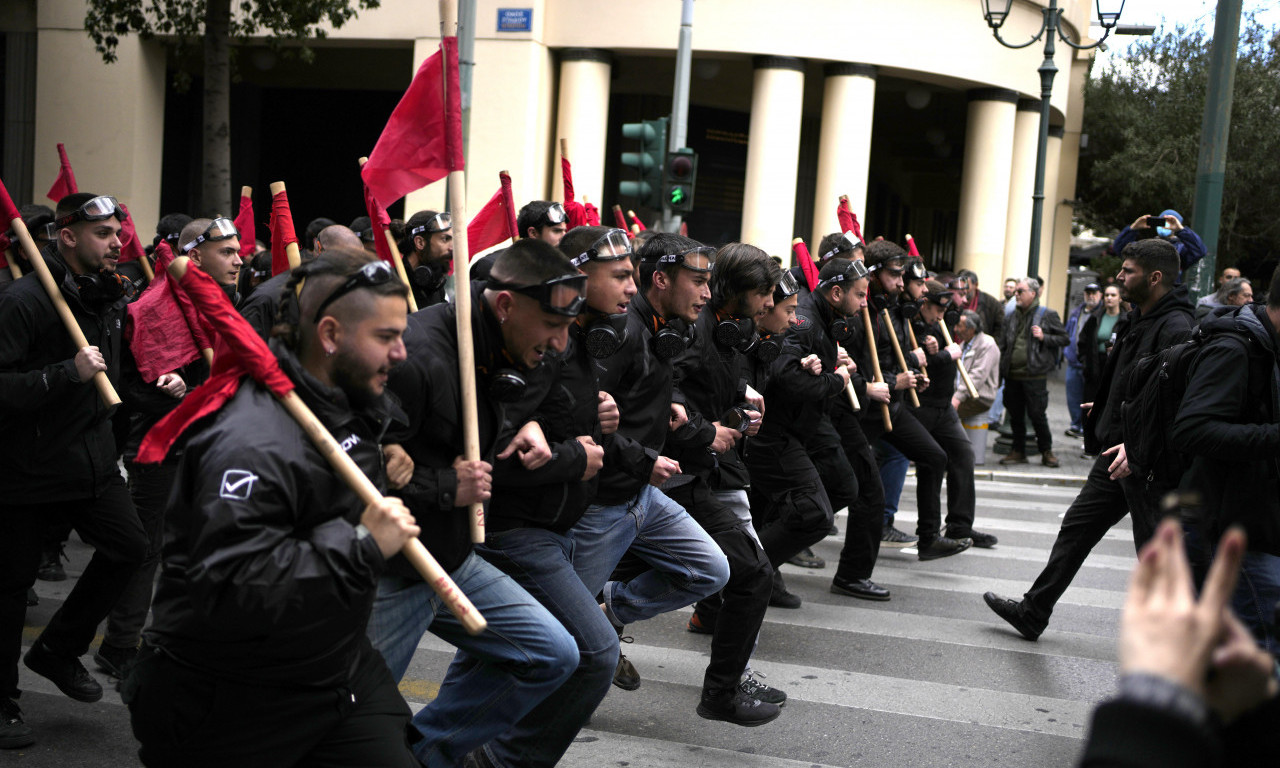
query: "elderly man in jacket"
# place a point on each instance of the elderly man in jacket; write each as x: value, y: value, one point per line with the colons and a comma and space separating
x: 981, y: 358
x: 1030, y: 342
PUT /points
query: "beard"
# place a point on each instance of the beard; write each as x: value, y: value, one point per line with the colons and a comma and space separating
x: 354, y: 378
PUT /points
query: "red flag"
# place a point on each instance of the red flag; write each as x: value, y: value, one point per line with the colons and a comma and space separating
x: 593, y: 214
x: 379, y: 220
x: 845, y: 215
x: 65, y: 184
x: 492, y: 224
x: 577, y: 215
x: 130, y: 248
x: 163, y: 329
x: 504, y: 179
x: 4, y: 246
x: 805, y: 262
x: 618, y: 218
x: 282, y: 232
x: 245, y: 226
x: 7, y: 209
x: 911, y: 246
x: 240, y: 351
x: 422, y: 142
x: 635, y: 220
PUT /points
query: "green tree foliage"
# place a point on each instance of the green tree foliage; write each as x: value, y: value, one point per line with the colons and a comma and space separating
x: 1143, y: 117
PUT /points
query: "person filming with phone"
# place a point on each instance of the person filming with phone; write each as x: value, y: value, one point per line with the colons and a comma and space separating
x: 1168, y: 226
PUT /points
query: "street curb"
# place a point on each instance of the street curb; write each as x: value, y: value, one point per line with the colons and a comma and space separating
x: 994, y: 475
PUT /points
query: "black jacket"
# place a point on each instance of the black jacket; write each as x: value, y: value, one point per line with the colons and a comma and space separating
x: 939, y: 366
x: 58, y: 443
x: 1087, y: 350
x: 1137, y: 335
x: 1042, y: 354
x: 1125, y: 734
x: 148, y: 403
x: 265, y: 577
x: 261, y: 306
x: 796, y: 401
x: 427, y: 385
x: 1229, y: 421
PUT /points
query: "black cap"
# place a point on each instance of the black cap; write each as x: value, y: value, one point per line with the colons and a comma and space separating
x: 1093, y: 287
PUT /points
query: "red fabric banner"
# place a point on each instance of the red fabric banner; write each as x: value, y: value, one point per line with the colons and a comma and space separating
x: 911, y: 246
x: 282, y: 232
x: 577, y: 215
x: 508, y: 199
x: 65, y: 184
x: 422, y: 141
x: 246, y: 228
x: 489, y: 225
x: 130, y: 247
x: 379, y: 220
x: 805, y: 262
x: 593, y: 214
x: 163, y: 329
x: 240, y: 351
x: 845, y: 215
x: 637, y: 222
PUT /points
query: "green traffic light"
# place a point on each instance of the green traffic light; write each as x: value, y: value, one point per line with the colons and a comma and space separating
x: 677, y: 195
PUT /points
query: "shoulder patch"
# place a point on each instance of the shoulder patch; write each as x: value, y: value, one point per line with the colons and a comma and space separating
x: 237, y: 484
x: 803, y: 322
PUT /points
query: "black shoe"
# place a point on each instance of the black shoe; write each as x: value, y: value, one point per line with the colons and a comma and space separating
x: 835, y: 531
x: 892, y: 537
x: 864, y: 589
x: 115, y: 661
x: 980, y: 540
x: 1073, y: 432
x: 806, y: 559
x: 1012, y: 612
x: 625, y: 675
x: 32, y: 597
x: 734, y: 706
x: 477, y: 758
x: 755, y: 689
x: 68, y: 674
x: 942, y: 547
x: 14, y: 733
x: 780, y: 597
x: 51, y: 564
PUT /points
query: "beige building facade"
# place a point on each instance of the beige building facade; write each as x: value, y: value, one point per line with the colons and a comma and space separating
x: 908, y: 107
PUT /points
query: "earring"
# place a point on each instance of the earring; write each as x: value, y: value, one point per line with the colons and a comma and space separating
x: 328, y: 351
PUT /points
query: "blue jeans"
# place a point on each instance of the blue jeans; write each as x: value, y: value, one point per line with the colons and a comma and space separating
x: 541, y: 561
x: 686, y: 564
x: 893, y: 475
x: 1256, y: 595
x: 1075, y: 395
x: 496, y: 677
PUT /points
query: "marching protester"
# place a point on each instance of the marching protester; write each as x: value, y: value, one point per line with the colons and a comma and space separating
x: 1161, y: 318
x: 263, y: 305
x: 427, y: 251
x: 543, y: 220
x: 518, y: 317
x: 271, y: 560
x: 1030, y: 342
x: 60, y: 452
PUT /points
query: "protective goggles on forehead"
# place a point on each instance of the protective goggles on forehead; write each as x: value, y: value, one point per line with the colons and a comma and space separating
x: 682, y: 259
x: 98, y: 209
x: 371, y: 274
x: 786, y: 287
x: 441, y: 222
x: 855, y: 271
x: 848, y: 241
x: 915, y: 270
x: 556, y: 214
x: 613, y: 245
x: 365, y: 235
x: 564, y: 295
x: 941, y: 298
x: 894, y: 267
x: 221, y: 229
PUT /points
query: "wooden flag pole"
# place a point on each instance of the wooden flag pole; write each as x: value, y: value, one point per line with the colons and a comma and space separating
x: 290, y: 250
x: 911, y: 333
x: 875, y: 365
x: 107, y: 392
x: 145, y: 264
x: 246, y: 191
x: 853, y: 396
x: 395, y: 256
x: 462, y: 302
x: 897, y: 353
x: 964, y: 375
x: 11, y: 256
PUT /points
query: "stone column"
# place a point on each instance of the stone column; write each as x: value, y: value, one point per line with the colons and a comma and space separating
x: 984, y: 185
x: 1054, y: 262
x: 1022, y: 181
x: 844, y: 150
x: 773, y: 153
x: 582, y: 117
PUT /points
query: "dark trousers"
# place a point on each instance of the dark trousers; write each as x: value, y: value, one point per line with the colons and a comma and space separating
x: 943, y: 425
x: 789, y: 507
x: 914, y: 441
x: 149, y: 485
x: 110, y: 525
x: 745, y: 597
x: 843, y: 456
x: 1025, y: 398
x: 189, y: 719
x: 1101, y: 503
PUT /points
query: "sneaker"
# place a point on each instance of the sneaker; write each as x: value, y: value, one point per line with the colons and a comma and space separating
x: 625, y: 675
x: 780, y: 597
x: 700, y: 626
x: 755, y: 689
x: 68, y: 674
x: 892, y: 537
x: 980, y: 540
x: 943, y: 547
x: 1048, y: 459
x: 115, y: 661
x: 51, y: 564
x: 14, y: 733
x: 1012, y: 612
x: 1074, y: 432
x: 806, y: 559
x: 1014, y: 457
x: 733, y: 706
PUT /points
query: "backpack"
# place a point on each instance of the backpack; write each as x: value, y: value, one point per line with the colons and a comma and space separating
x: 1156, y: 384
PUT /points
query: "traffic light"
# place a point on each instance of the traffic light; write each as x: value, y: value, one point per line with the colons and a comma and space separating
x: 648, y: 161
x: 678, y: 175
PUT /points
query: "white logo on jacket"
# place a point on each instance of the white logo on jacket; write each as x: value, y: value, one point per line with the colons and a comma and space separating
x: 237, y: 484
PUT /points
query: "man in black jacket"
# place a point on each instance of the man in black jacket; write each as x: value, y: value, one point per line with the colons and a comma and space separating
x: 59, y: 452
x: 1030, y: 342
x: 1229, y: 423
x: 1162, y: 317
x: 427, y: 250
x: 521, y: 314
x: 271, y: 561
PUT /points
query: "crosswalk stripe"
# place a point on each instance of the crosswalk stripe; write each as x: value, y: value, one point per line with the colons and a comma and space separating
x: 906, y: 519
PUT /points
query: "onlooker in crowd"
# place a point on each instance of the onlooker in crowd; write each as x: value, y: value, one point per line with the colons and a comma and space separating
x: 968, y: 296
x: 1010, y: 288
x: 1029, y: 346
x: 1075, y: 366
x: 1235, y: 292
x: 1096, y: 336
x: 1212, y: 300
x: 981, y: 358
x: 1168, y: 226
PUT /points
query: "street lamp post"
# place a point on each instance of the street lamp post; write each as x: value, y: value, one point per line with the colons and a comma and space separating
x: 995, y: 12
